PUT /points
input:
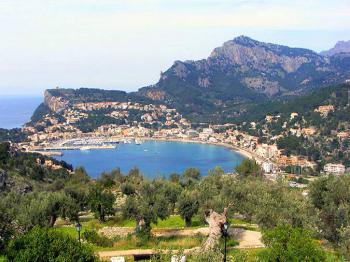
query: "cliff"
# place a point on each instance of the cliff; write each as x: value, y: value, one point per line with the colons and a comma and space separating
x: 55, y: 103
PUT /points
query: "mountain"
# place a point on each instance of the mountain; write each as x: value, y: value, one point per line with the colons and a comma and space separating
x: 241, y: 72
x: 234, y: 78
x: 340, y: 47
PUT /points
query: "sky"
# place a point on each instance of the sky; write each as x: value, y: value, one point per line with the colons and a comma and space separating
x: 125, y: 44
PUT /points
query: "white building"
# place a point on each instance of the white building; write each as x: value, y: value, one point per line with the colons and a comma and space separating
x: 208, y: 131
x: 267, y: 167
x: 336, y: 169
x: 212, y: 140
x: 267, y: 151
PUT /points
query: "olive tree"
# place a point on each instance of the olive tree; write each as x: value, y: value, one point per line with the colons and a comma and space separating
x: 101, y: 202
x: 188, y: 206
x: 147, y: 205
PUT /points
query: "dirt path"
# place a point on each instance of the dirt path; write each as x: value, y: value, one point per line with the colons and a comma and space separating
x: 246, y: 238
x: 125, y: 253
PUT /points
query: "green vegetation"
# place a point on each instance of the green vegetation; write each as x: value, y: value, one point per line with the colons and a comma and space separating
x: 291, y: 244
x: 15, y: 135
x: 322, y: 146
x: 42, y: 244
x: 188, y: 206
x: 331, y: 198
x: 249, y: 168
x: 101, y: 202
x: 44, y: 200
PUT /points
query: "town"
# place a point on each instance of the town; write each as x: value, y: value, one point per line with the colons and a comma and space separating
x: 128, y: 121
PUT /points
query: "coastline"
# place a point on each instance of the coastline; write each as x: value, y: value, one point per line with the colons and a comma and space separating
x: 243, y: 152
x: 238, y: 150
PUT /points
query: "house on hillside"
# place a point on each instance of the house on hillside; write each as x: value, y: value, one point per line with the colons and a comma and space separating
x: 335, y: 169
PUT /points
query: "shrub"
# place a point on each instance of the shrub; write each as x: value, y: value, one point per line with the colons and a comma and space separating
x: 291, y: 244
x: 210, y: 256
x: 93, y: 237
x: 43, y: 244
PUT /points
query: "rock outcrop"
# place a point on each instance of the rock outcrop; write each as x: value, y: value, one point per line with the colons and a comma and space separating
x: 340, y: 47
x: 56, y: 103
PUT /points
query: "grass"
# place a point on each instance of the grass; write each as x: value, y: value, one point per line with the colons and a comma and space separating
x: 131, y: 242
x: 174, y: 242
x: 236, y: 221
x: 247, y: 255
x: 174, y: 222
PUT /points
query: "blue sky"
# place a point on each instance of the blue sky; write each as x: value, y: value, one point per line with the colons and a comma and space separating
x: 125, y: 44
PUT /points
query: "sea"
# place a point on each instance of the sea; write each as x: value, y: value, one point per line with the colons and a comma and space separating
x: 155, y: 159
x: 15, y: 111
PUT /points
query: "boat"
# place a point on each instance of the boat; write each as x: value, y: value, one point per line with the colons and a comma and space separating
x: 83, y: 148
x: 126, y: 141
x: 138, y: 142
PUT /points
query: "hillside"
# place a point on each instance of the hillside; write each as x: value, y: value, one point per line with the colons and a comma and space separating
x: 86, y: 110
x: 24, y: 172
x: 236, y: 77
x: 315, y: 126
x: 241, y: 72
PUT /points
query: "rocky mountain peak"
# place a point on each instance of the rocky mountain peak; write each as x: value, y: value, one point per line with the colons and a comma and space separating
x: 245, y: 70
x: 244, y: 40
x: 340, y: 47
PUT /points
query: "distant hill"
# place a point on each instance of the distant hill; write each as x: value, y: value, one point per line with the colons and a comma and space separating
x: 241, y: 72
x: 340, y: 47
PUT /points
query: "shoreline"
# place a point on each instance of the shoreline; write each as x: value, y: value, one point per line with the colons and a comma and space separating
x: 238, y: 150
x: 243, y: 152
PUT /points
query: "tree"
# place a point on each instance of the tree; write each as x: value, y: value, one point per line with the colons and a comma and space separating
x: 106, y: 180
x: 4, y: 153
x: 80, y: 176
x: 147, y: 205
x: 331, y: 197
x: 60, y: 205
x: 42, y: 244
x: 175, y: 178
x: 249, y: 168
x: 344, y: 241
x: 40, y: 209
x: 101, y: 202
x: 7, y: 228
x: 188, y: 206
x: 128, y: 189
x: 190, y: 177
x: 291, y: 244
x: 171, y: 191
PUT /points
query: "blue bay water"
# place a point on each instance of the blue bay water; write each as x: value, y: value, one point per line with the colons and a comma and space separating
x: 16, y: 111
x: 154, y: 158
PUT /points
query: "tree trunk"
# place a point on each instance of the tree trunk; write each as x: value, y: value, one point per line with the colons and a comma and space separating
x: 101, y: 213
x: 53, y: 219
x: 215, y: 221
x: 188, y: 222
